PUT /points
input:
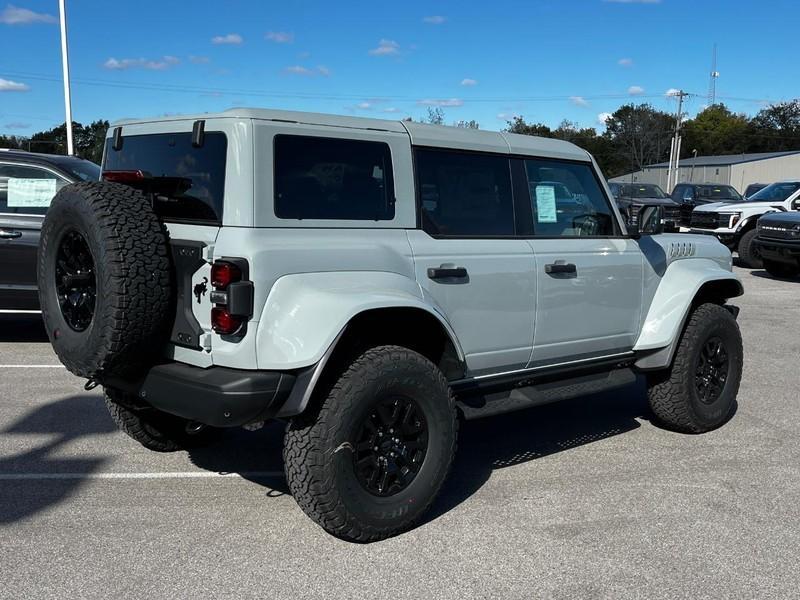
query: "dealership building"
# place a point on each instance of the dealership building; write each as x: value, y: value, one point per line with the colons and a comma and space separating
x: 738, y: 170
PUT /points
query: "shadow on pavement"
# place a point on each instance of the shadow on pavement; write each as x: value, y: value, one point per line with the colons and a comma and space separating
x: 62, y: 421
x: 22, y: 327
x: 764, y: 275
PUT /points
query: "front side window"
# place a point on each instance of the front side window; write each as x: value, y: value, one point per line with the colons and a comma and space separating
x: 464, y: 194
x: 332, y: 178
x: 27, y: 190
x: 567, y: 200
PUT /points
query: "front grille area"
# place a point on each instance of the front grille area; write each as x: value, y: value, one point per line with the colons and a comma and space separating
x: 709, y: 220
x: 686, y: 214
x: 778, y: 232
x: 672, y: 213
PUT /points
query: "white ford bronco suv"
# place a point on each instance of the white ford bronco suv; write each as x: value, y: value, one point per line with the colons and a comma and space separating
x: 370, y: 282
x: 734, y: 223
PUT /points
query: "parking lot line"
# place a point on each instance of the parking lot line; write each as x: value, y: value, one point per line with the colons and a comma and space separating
x: 31, y: 366
x: 164, y: 475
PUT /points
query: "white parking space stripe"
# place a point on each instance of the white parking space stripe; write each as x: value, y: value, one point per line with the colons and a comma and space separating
x: 31, y: 366
x: 5, y: 311
x: 164, y: 475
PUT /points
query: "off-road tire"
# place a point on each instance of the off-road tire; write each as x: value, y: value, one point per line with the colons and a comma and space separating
x: 318, y: 452
x: 748, y: 251
x: 780, y: 270
x: 672, y: 393
x: 132, y: 275
x: 155, y: 429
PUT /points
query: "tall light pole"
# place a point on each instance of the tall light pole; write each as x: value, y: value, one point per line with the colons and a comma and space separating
x: 65, y: 64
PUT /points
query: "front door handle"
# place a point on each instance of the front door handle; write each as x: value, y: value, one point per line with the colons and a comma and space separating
x: 559, y: 268
x: 10, y: 234
x: 447, y: 272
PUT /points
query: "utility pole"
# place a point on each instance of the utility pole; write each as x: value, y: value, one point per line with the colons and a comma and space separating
x: 675, y: 147
x: 65, y: 64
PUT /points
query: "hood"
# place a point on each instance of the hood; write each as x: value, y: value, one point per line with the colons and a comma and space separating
x: 737, y: 206
x: 784, y: 219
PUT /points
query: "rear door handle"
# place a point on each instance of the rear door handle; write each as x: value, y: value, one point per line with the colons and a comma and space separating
x: 557, y: 268
x: 10, y: 234
x: 446, y: 272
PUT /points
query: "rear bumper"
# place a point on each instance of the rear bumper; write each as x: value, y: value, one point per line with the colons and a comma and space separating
x: 215, y: 396
x: 788, y: 252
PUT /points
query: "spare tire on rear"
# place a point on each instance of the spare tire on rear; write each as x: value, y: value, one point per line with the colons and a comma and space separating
x: 104, y: 277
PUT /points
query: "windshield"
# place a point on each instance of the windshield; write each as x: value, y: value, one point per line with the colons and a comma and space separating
x: 720, y: 193
x: 642, y: 190
x: 81, y: 170
x: 776, y: 192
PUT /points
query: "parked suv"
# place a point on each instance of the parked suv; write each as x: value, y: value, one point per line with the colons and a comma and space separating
x: 735, y: 223
x: 778, y: 243
x: 691, y: 195
x: 370, y: 282
x: 28, y: 182
x: 631, y: 197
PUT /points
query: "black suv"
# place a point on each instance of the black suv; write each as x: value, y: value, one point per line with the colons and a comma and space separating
x: 631, y: 197
x: 28, y: 181
x: 778, y: 241
x: 690, y: 195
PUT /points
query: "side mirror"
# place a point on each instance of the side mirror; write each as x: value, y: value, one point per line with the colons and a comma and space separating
x: 796, y: 204
x: 651, y: 219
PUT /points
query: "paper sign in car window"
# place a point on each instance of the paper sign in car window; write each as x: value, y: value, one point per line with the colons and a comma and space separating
x: 30, y: 193
x: 546, y: 204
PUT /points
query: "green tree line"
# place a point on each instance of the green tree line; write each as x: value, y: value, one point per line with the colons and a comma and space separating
x: 87, y: 139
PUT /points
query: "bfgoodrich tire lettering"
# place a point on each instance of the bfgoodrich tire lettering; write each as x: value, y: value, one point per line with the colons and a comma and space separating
x: 677, y: 397
x: 319, y: 447
x: 131, y: 275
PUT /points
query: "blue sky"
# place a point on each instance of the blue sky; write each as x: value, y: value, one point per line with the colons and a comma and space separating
x: 544, y: 59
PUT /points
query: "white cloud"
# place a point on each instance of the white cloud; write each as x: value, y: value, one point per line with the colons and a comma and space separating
x: 13, y: 15
x: 231, y: 38
x: 603, y: 118
x: 6, y: 85
x: 636, y: 90
x: 441, y: 102
x: 17, y: 125
x: 579, y: 101
x: 506, y: 116
x: 434, y: 19
x: 280, y: 37
x: 469, y: 82
x: 391, y: 109
x: 301, y: 70
x: 386, y: 48
x: 165, y: 62
x: 199, y: 60
x: 672, y: 92
x: 625, y: 62
x: 364, y: 105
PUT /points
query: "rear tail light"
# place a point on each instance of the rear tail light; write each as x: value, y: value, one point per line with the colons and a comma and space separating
x: 223, y: 322
x: 232, y: 296
x: 224, y: 273
x: 123, y: 176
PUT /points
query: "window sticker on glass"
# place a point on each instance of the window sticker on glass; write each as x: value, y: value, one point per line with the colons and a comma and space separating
x: 30, y: 193
x: 546, y: 204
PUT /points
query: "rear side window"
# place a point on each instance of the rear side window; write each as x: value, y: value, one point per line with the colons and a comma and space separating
x: 567, y: 200
x: 187, y: 183
x: 332, y: 178
x: 464, y: 194
x: 27, y: 190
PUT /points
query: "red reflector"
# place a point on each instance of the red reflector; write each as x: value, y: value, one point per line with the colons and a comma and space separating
x: 224, y: 273
x: 123, y: 176
x: 224, y: 322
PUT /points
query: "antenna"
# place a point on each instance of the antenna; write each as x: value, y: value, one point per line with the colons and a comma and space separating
x: 712, y: 83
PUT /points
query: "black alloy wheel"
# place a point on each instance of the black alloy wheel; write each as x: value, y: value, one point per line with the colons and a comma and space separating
x: 390, y: 446
x: 75, y: 282
x: 712, y: 370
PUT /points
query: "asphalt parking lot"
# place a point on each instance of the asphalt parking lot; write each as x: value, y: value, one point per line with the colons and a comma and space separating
x: 586, y: 499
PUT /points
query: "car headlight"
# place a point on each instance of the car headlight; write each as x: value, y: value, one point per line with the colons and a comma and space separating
x: 734, y: 220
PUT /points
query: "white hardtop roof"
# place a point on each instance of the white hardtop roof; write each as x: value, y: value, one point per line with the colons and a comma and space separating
x: 421, y: 134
